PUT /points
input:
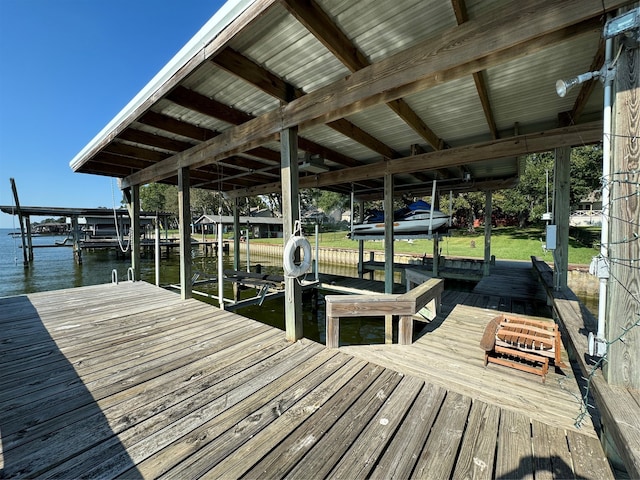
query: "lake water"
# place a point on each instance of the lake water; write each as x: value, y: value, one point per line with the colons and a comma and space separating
x: 54, y: 268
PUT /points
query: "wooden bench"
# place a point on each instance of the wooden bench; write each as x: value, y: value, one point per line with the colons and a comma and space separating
x: 404, y: 305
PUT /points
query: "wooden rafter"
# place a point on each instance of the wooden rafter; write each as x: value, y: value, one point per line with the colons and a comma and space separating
x: 158, y: 141
x: 453, y: 157
x: 207, y: 106
x: 178, y: 127
x: 426, y: 189
x: 201, y: 134
x: 309, y: 13
x: 240, y: 66
x: 460, y: 11
x: 469, y: 47
x: 197, y: 102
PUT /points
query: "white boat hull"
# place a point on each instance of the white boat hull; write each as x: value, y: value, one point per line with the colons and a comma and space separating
x: 417, y: 224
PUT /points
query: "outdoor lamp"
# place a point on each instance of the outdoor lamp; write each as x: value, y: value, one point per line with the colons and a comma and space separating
x: 627, y: 23
x: 563, y: 86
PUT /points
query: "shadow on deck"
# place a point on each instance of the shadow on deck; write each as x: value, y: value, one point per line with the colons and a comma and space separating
x: 49, y: 416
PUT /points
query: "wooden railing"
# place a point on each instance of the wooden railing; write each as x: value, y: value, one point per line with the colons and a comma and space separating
x: 619, y: 407
x: 402, y: 305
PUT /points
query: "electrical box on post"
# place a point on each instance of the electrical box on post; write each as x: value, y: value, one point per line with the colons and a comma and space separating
x: 552, y: 240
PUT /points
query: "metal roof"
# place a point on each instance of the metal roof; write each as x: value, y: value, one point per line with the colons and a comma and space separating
x: 404, y: 86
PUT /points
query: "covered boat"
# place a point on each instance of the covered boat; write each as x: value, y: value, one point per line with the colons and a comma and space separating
x: 414, y: 219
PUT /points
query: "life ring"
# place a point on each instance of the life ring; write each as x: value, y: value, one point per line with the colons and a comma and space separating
x: 291, y: 269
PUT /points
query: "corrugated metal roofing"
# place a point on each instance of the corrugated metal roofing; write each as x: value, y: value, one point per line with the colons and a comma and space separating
x: 282, y: 53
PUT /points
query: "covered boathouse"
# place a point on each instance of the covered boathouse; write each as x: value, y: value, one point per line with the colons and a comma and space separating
x: 387, y: 98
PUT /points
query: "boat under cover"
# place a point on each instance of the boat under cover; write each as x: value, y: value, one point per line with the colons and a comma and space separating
x: 414, y: 219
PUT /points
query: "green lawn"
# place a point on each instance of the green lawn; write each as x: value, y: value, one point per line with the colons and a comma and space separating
x: 507, y: 243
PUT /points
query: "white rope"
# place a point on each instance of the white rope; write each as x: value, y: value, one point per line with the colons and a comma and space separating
x: 115, y: 220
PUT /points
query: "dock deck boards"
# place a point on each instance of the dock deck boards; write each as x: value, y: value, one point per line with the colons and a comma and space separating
x: 128, y: 380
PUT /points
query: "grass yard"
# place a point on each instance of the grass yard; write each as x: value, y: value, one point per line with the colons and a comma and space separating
x: 507, y: 243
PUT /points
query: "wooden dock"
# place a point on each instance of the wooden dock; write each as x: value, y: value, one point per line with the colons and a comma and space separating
x: 130, y: 381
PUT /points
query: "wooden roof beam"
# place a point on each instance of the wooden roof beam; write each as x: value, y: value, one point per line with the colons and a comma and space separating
x: 452, y: 157
x: 425, y: 190
x: 440, y: 173
x: 179, y: 127
x: 316, y: 20
x: 153, y: 140
x: 460, y: 10
x: 309, y: 14
x: 240, y: 66
x: 192, y: 100
x: 467, y: 48
x: 200, y: 103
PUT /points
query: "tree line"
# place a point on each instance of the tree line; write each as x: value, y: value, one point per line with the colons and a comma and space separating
x: 522, y: 205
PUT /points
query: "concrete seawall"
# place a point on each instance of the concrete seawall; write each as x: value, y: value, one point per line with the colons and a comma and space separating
x: 580, y: 281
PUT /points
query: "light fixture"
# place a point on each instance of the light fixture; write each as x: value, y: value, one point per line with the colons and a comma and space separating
x: 313, y: 164
x: 563, y: 86
x: 624, y: 23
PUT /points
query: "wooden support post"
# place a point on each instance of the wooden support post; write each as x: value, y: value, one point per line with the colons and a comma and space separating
x: 184, y: 211
x: 19, y: 212
x: 360, y: 242
x: 487, y: 232
x: 27, y: 220
x: 435, y: 203
x: 623, y: 310
x: 388, y: 251
x: 247, y: 244
x: 388, y: 233
x: 405, y: 330
x: 77, y: 249
x: 220, y: 266
x: 157, y: 250
x: 236, y: 235
x: 316, y: 254
x: 388, y: 329
x: 133, y: 206
x: 436, y: 255
x: 291, y: 213
x: 561, y: 212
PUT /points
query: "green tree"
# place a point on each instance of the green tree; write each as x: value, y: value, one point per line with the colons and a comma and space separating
x: 153, y: 197
x: 330, y: 201
x: 586, y: 172
x: 528, y: 200
x: 466, y: 207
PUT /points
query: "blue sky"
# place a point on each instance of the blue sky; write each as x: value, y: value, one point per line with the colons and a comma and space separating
x: 67, y: 67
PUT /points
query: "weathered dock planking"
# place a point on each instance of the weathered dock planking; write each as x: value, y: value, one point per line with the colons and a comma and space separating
x: 619, y: 405
x: 447, y: 353
x: 130, y: 381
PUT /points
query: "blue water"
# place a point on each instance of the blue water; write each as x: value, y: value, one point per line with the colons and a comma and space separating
x: 54, y: 268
